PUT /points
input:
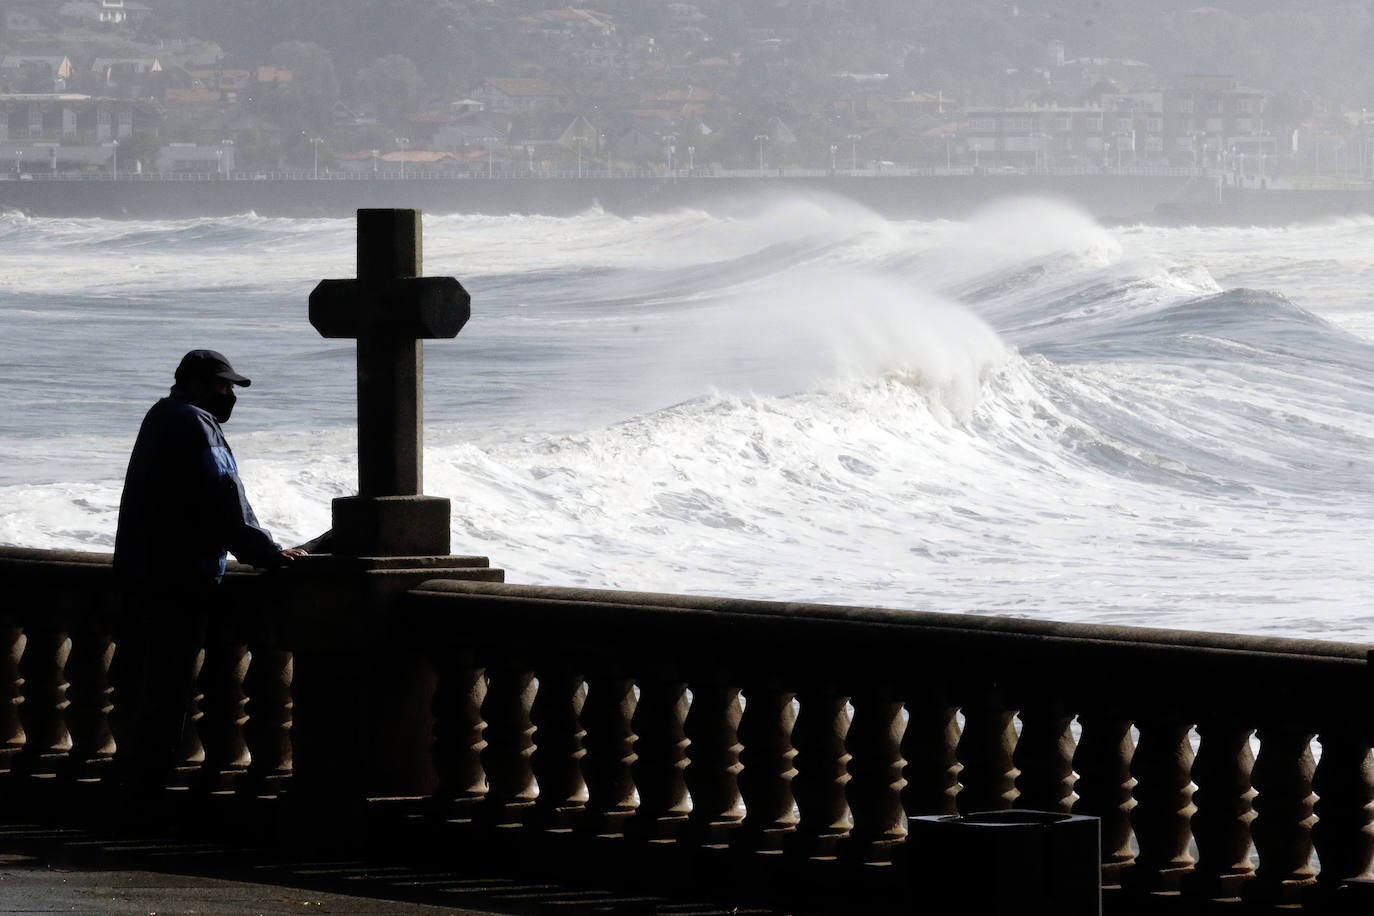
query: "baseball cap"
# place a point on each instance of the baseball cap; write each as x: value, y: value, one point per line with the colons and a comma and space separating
x: 209, y: 364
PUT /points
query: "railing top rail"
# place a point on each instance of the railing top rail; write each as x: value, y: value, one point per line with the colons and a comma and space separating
x: 1029, y: 634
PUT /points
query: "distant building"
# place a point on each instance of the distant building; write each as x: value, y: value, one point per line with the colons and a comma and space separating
x: 519, y: 94
x: 36, y: 73
x: 79, y: 118
x: 1205, y: 121
x: 109, y: 12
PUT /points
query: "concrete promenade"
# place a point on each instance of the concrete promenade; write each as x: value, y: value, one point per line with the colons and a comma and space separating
x: 48, y: 870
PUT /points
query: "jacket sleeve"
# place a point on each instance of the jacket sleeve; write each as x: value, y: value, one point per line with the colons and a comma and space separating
x: 246, y: 539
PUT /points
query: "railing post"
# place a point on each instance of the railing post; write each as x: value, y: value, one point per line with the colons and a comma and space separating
x: 43, y: 713
x: 985, y: 748
x: 1344, y: 784
x: 712, y: 773
x: 1284, y: 802
x: 267, y: 682
x: 932, y: 735
x: 822, y: 765
x: 458, y: 734
x: 1162, y: 766
x: 1103, y: 763
x: 765, y: 780
x: 224, y: 706
x: 875, y: 768
x: 1044, y: 756
x: 12, y: 738
x: 1221, y: 826
x: 607, y: 765
x: 660, y: 758
x: 558, y: 751
x: 509, y: 743
x: 89, y: 696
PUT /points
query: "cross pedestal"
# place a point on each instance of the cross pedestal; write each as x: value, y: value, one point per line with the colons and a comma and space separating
x: 390, y: 309
x: 361, y: 684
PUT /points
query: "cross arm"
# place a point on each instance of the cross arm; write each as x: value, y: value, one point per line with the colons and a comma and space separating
x: 413, y: 307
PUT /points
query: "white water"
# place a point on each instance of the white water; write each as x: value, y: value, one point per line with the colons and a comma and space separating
x: 1024, y: 413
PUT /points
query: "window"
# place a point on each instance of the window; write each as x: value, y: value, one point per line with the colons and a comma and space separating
x: 1245, y: 106
x: 1093, y: 123
x: 1063, y: 123
x: 1018, y: 125
x: 1154, y: 125
x: 1124, y: 125
x: 1216, y: 106
x: 982, y: 125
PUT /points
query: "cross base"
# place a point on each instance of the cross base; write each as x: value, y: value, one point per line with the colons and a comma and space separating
x: 391, y: 526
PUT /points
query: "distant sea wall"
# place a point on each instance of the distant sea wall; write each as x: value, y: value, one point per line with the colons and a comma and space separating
x: 1113, y: 198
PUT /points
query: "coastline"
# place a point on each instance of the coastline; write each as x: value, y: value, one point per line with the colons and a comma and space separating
x: 1170, y: 199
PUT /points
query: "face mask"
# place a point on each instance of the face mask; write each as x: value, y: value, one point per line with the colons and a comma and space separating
x: 221, y: 405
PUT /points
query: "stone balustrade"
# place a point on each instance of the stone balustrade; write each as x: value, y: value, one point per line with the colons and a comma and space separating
x: 772, y: 748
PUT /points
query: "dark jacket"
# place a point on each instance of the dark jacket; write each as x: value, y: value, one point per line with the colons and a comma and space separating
x: 183, y: 505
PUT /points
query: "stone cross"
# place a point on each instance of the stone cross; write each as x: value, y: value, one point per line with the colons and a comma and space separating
x: 390, y: 309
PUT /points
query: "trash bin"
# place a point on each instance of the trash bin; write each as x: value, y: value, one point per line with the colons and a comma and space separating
x: 1003, y: 862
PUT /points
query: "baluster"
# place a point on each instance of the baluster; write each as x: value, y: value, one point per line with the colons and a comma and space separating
x: 221, y: 732
x: 43, y: 714
x: 1044, y: 757
x: 610, y: 739
x: 1344, y: 783
x: 267, y: 682
x: 713, y: 767
x: 88, y: 712
x: 12, y: 736
x: 985, y: 748
x: 458, y: 731
x: 510, y: 742
x: 660, y: 758
x: 191, y: 755
x: 1164, y: 805
x: 1103, y: 762
x: 875, y: 768
x: 558, y: 751
x: 1283, y: 815
x: 929, y: 746
x: 822, y: 771
x: 1221, y: 826
x: 765, y: 778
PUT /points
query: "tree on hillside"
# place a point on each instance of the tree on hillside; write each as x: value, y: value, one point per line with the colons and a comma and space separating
x: 307, y: 98
x: 392, y: 83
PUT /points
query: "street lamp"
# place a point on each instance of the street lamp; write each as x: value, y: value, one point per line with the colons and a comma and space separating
x: 315, y: 142
x: 834, y: 148
x: 374, y: 163
x: 760, y: 138
x: 691, y: 159
x: 672, y: 151
x: 18, y: 162
x: 114, y: 158
x: 404, y: 144
x: 853, y: 152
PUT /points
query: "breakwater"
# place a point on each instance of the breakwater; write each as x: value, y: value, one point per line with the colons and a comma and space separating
x: 1111, y: 197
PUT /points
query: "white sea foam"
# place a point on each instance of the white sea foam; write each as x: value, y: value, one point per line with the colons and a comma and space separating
x: 1021, y: 413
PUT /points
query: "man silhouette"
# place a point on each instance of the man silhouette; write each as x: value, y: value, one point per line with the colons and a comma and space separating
x: 183, y: 510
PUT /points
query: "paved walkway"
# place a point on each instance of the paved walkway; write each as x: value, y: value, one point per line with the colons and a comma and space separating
x: 47, y: 870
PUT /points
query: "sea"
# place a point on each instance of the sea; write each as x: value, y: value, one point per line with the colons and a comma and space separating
x: 1024, y: 412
